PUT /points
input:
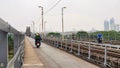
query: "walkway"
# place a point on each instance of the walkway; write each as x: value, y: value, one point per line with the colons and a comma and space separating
x: 31, y: 60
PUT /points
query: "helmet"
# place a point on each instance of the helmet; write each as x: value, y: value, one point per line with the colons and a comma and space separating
x: 37, y: 34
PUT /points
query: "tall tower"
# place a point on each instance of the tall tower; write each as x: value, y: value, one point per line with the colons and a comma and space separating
x: 112, y: 24
x: 106, y: 25
x: 117, y: 27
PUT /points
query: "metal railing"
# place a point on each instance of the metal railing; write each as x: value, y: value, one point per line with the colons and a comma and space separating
x: 86, y: 50
x: 20, y: 54
x: 5, y: 29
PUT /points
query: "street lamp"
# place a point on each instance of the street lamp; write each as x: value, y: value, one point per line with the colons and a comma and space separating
x: 42, y: 19
x: 62, y: 23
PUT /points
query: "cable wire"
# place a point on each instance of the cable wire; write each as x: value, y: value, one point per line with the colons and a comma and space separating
x: 51, y: 8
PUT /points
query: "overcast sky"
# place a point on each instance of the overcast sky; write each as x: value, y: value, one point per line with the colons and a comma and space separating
x: 79, y: 14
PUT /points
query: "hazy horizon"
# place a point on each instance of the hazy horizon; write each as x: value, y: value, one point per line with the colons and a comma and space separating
x: 79, y: 14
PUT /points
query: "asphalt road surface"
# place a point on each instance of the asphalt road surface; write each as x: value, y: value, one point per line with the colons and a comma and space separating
x: 55, y: 58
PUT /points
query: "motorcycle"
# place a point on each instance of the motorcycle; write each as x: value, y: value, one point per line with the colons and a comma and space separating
x: 38, y: 43
x: 99, y: 40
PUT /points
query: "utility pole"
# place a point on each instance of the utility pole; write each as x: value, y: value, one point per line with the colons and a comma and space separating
x: 39, y: 27
x: 33, y: 27
x: 63, y: 23
x: 45, y: 27
x: 42, y: 20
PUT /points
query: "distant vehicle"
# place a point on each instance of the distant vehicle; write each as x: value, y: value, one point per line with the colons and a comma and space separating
x: 38, y: 40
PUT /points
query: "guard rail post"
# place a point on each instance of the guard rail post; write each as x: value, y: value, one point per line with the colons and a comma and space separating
x: 78, y: 48
x: 57, y: 43
x: 61, y: 43
x: 71, y: 46
x: 89, y: 53
x: 20, y: 58
x: 21, y: 53
x: 66, y: 45
x: 105, y: 56
x: 3, y: 49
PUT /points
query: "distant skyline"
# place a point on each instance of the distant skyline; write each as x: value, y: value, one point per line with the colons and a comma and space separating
x: 106, y: 25
x: 79, y: 14
x: 111, y: 25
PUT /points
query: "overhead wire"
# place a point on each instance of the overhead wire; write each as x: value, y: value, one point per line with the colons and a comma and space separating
x: 51, y: 8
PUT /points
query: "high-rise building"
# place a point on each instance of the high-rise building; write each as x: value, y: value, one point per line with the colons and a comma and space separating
x: 112, y: 24
x: 117, y: 27
x: 106, y: 25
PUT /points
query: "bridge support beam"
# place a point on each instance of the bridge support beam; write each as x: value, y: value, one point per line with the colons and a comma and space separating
x: 16, y: 46
x: 17, y: 43
x: 3, y: 49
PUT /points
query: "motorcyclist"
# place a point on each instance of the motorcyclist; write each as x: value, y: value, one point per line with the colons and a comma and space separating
x: 99, y: 38
x: 37, y: 38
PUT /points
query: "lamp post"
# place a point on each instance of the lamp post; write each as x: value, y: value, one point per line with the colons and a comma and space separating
x: 39, y: 28
x: 33, y: 27
x: 42, y: 20
x: 45, y: 27
x: 63, y: 23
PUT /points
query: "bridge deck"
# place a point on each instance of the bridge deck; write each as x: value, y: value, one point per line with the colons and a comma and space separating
x: 55, y: 58
x: 31, y: 60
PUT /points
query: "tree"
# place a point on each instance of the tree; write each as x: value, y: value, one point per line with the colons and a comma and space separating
x: 82, y: 35
x: 108, y: 35
x: 10, y: 41
x: 54, y: 34
x: 10, y: 45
